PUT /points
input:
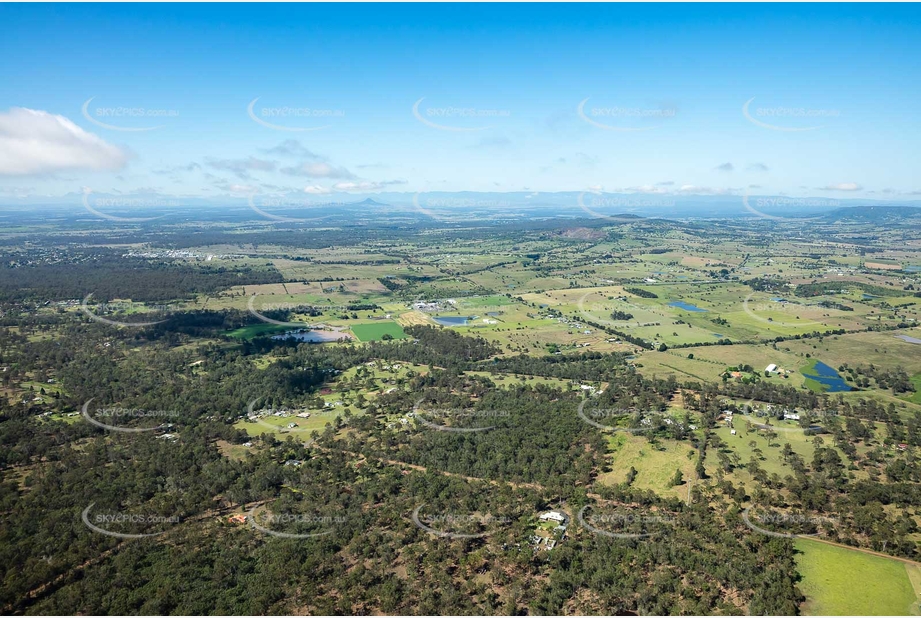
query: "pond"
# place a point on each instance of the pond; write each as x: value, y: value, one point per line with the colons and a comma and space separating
x: 454, y: 321
x: 686, y: 306
x: 912, y: 269
x: 312, y: 336
x: 827, y: 376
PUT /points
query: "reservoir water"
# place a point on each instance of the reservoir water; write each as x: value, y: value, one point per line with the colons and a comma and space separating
x: 453, y: 321
x: 686, y: 306
x: 828, y: 377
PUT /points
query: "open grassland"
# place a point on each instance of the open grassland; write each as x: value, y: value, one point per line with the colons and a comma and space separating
x: 414, y: 318
x: 916, y: 396
x: 753, y: 443
x: 726, y: 310
x: 508, y: 379
x: 339, y: 293
x: 279, y: 426
x: 677, y: 364
x: 768, y: 457
x: 257, y: 330
x: 375, y: 331
x: 843, y: 582
x: 882, y: 349
x: 336, y: 396
x: 655, y: 464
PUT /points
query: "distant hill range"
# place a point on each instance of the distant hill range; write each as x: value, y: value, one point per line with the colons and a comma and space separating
x: 871, y: 214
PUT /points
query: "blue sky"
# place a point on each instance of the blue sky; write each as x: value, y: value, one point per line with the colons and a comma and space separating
x: 835, y: 91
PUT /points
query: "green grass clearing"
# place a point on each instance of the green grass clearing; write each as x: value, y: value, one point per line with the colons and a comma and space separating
x: 842, y: 582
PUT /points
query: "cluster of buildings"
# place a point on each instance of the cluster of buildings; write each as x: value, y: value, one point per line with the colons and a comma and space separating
x: 772, y: 368
x: 180, y: 254
x: 282, y: 413
x: 433, y: 305
x: 403, y: 420
x: 647, y: 422
x: 547, y: 537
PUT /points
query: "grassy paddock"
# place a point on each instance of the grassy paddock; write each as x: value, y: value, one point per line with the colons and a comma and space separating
x: 842, y: 582
x: 376, y: 331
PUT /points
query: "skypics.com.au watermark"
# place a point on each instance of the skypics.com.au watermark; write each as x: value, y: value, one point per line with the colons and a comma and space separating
x: 280, y: 524
x: 592, y: 201
x: 439, y: 524
x: 287, y: 307
x: 786, y: 521
x: 614, y: 116
x: 287, y: 203
x: 447, y: 116
x: 757, y: 206
x: 623, y: 524
x: 449, y: 209
x: 113, y: 115
x: 450, y: 414
x: 777, y: 118
x: 92, y: 206
x: 115, y: 414
x: 452, y: 209
x: 116, y: 307
x: 646, y: 418
x: 293, y: 117
x: 103, y: 523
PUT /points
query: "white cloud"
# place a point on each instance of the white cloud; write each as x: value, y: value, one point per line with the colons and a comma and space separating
x: 842, y: 186
x: 365, y: 185
x: 316, y: 190
x: 704, y: 190
x: 318, y: 170
x: 647, y: 189
x: 34, y: 142
x: 292, y: 148
x: 17, y: 191
x: 242, y: 167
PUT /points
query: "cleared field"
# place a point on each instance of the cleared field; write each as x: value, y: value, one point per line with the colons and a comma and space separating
x: 376, y: 331
x: 414, y: 318
x: 279, y: 425
x: 844, y: 582
x: 655, y: 465
x: 505, y: 380
x: 677, y: 364
x: 881, y: 349
x: 255, y: 330
x: 770, y: 458
x: 916, y: 396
